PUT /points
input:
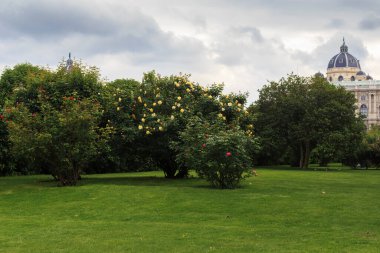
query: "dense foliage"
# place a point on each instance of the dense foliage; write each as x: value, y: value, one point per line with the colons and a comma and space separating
x: 298, y: 115
x: 62, y: 140
x: 68, y: 121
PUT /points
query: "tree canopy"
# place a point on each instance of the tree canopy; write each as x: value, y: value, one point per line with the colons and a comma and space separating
x: 298, y: 114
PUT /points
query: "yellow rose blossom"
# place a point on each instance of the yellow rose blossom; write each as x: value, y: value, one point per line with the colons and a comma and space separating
x: 119, y: 99
x: 140, y: 100
x: 229, y: 104
x: 158, y: 120
x: 239, y: 104
x: 118, y: 108
x: 158, y: 95
x: 223, y: 109
x: 179, y: 98
x: 173, y: 107
x: 151, y: 109
x: 140, y: 127
x: 209, y: 96
x: 153, y: 115
x: 159, y: 102
x: 182, y: 110
x: 172, y: 117
x: 154, y: 104
x: 220, y: 115
x: 145, y: 105
x: 176, y: 84
x: 147, y: 132
x: 188, y: 90
x: 161, y: 128
x: 224, y: 118
x: 178, y: 105
x: 143, y: 120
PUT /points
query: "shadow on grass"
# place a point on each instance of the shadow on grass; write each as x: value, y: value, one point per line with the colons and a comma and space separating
x: 141, y: 181
x: 144, y: 181
x: 311, y: 168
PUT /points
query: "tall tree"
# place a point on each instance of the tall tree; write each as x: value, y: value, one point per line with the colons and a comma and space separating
x: 297, y: 113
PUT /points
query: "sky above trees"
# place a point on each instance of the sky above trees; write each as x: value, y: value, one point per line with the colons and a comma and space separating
x: 242, y: 43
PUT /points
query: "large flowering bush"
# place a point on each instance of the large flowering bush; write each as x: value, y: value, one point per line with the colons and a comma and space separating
x: 162, y: 108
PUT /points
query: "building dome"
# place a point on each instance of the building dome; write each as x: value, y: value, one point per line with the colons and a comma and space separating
x: 344, y: 67
x: 360, y: 73
x: 343, y: 59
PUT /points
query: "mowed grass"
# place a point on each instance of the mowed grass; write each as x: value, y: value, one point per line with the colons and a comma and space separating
x: 278, y: 211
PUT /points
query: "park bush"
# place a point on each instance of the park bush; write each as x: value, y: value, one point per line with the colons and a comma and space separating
x: 64, y: 139
x: 222, y: 156
x: 6, y: 167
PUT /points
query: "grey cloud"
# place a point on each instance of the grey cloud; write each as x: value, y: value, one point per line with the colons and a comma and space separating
x: 237, y: 44
x: 370, y: 23
x: 109, y: 30
x: 253, y: 33
x: 336, y: 23
x: 49, y: 19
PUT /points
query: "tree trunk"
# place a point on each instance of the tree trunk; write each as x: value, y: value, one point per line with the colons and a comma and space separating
x: 307, y: 155
x: 304, y: 154
x: 301, y: 156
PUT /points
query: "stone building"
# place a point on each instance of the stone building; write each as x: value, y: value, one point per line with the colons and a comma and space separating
x: 344, y: 69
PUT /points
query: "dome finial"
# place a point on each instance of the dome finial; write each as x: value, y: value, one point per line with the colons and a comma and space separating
x: 344, y: 48
x: 69, y: 63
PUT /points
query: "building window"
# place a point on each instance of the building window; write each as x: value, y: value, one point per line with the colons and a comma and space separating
x: 364, y: 110
x: 362, y: 98
x: 340, y: 78
x: 352, y: 78
x: 330, y: 78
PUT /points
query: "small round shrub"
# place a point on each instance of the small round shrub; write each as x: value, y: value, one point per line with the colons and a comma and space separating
x: 221, y: 156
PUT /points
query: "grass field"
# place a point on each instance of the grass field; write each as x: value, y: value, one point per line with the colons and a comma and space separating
x: 278, y: 211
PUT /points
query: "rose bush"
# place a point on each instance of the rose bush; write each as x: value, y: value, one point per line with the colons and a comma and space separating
x: 223, y: 156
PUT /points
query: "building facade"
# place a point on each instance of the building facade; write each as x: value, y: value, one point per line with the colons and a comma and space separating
x: 344, y: 69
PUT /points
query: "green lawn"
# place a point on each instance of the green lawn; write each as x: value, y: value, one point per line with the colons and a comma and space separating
x: 278, y: 211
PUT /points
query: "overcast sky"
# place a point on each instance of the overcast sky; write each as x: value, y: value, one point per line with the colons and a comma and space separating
x: 243, y: 43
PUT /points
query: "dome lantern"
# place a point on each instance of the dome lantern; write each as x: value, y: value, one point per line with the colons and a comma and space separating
x: 343, y: 48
